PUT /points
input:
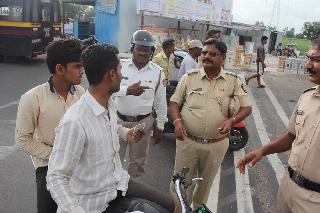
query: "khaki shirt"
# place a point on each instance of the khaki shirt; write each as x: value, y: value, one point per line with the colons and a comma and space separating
x: 39, y: 113
x: 305, y: 124
x: 162, y: 60
x: 199, y: 97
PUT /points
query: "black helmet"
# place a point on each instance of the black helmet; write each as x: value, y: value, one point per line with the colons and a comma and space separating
x: 142, y: 37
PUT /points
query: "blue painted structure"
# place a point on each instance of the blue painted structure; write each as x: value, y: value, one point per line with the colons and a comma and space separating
x: 107, y: 26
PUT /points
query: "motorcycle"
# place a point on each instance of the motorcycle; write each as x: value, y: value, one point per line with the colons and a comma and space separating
x: 85, y: 42
x: 179, y: 55
x: 289, y: 51
x: 135, y: 204
x: 181, y: 185
x: 139, y: 205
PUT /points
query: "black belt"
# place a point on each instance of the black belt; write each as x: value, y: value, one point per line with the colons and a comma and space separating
x: 204, y: 140
x: 129, y: 118
x: 302, y: 181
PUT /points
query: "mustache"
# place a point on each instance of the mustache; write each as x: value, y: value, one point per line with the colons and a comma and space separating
x: 207, y: 60
x: 310, y: 71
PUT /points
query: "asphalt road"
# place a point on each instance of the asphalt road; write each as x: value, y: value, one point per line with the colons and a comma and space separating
x: 232, y: 192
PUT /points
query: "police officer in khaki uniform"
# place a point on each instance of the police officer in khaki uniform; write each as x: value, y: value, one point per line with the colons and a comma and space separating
x: 299, y: 190
x: 201, y: 127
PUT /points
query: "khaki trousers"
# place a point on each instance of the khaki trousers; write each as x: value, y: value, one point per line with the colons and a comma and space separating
x: 203, y: 160
x: 138, y: 151
x: 292, y: 198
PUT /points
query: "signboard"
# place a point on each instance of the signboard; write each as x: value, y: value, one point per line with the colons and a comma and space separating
x: 107, y: 6
x: 213, y: 11
x: 4, y: 11
x: 150, y: 5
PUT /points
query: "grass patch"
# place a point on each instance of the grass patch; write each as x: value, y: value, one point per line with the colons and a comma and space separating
x: 302, y: 44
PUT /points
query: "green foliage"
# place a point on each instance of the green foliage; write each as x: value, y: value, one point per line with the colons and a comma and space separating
x: 300, y: 35
x: 311, y: 29
x: 75, y: 11
x: 290, y: 33
x: 301, y: 44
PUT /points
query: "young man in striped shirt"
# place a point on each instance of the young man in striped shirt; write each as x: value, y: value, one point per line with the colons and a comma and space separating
x: 85, y: 172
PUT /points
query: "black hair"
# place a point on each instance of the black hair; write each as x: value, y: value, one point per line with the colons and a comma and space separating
x: 167, y: 43
x: 263, y: 38
x: 221, y: 46
x: 63, y: 52
x: 316, y: 43
x: 210, y: 33
x: 98, y: 59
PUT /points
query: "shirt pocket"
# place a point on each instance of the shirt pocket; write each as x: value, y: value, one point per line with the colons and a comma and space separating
x: 195, y: 99
x: 148, y: 93
x: 300, y: 122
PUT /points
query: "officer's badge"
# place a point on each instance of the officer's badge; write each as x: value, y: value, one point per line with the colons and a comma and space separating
x: 165, y: 82
x: 299, y: 112
x: 244, y: 87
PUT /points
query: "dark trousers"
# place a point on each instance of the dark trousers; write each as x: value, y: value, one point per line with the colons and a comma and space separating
x: 142, y: 190
x: 45, y: 203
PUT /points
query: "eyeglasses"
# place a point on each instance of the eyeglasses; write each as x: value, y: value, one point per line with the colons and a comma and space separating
x: 313, y: 58
x: 212, y: 54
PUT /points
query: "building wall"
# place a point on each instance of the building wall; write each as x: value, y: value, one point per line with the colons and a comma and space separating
x: 107, y: 26
x: 130, y: 22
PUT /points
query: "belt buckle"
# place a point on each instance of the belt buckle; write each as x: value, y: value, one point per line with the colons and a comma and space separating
x: 296, y: 177
x: 204, y: 141
x: 131, y: 118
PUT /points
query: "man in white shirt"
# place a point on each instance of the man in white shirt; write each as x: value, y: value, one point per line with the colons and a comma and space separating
x: 143, y: 90
x: 85, y: 171
x: 190, y: 61
x: 68, y: 27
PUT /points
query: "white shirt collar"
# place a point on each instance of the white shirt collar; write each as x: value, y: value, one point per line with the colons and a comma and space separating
x: 132, y: 64
x: 95, y: 106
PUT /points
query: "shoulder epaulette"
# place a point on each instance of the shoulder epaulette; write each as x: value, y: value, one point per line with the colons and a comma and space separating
x: 156, y: 65
x: 231, y: 73
x: 124, y: 60
x: 193, y: 71
x: 310, y: 89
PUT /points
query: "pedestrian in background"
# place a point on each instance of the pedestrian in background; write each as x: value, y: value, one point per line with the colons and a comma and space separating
x: 203, y: 116
x: 300, y: 186
x: 190, y: 61
x: 215, y: 34
x: 162, y: 58
x: 261, y: 55
x: 142, y: 92
x: 41, y: 108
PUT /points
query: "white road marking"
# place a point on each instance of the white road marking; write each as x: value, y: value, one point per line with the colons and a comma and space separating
x: 276, y: 104
x: 243, y: 191
x: 262, y: 132
x: 5, y: 151
x: 9, y: 104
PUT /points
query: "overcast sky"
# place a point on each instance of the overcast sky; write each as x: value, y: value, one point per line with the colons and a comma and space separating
x: 293, y: 13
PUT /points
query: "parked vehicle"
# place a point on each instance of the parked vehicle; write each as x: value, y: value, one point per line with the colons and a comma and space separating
x: 135, y: 204
x: 179, y: 55
x: 27, y: 26
x: 289, y: 51
x: 181, y: 185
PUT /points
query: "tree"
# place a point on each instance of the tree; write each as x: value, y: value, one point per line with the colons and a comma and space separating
x: 290, y: 33
x: 75, y: 11
x: 300, y: 35
x: 259, y: 23
x: 311, y: 29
